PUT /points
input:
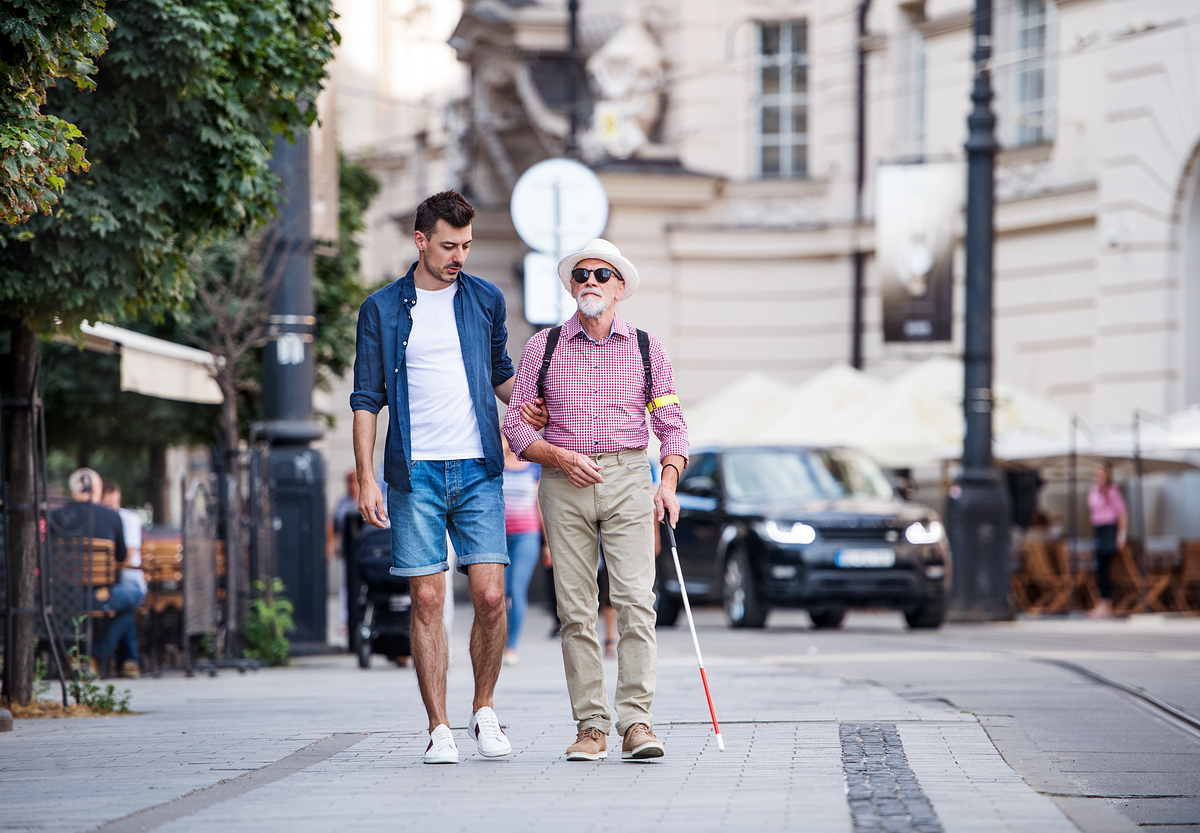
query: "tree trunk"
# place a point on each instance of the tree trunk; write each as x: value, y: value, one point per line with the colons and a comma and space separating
x: 159, y: 487
x: 20, y: 435
x: 233, y: 520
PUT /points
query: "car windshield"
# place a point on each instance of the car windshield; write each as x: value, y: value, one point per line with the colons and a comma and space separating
x: 802, y: 474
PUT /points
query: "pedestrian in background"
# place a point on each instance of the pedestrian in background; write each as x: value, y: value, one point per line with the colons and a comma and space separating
x: 596, y: 480
x: 432, y: 347
x: 523, y: 531
x: 133, y: 579
x: 85, y: 517
x: 1109, y: 519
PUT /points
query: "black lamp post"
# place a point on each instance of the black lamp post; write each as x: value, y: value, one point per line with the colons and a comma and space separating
x: 977, y: 508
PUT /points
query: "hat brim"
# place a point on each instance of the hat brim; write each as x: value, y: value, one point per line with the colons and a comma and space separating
x: 626, y: 269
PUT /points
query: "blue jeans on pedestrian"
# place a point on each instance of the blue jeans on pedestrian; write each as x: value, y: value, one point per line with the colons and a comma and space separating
x: 448, y: 496
x: 523, y: 551
x: 124, y: 599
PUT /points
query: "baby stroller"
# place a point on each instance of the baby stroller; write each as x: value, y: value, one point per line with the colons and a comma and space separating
x: 380, y: 605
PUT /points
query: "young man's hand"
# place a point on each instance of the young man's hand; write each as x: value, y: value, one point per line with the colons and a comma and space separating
x: 370, y: 504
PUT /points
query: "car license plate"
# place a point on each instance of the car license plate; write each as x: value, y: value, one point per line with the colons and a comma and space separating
x: 874, y: 557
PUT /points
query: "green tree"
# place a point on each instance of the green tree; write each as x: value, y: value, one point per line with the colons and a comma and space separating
x: 189, y: 98
x: 41, y: 41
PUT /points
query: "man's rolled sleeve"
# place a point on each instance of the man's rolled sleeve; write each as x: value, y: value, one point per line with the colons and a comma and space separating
x: 520, y: 435
x: 666, y: 420
x: 502, y: 369
x: 370, y: 386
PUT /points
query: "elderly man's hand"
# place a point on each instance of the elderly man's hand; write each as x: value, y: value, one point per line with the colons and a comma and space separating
x: 370, y: 504
x: 580, y: 469
x: 534, y: 414
x: 665, y: 503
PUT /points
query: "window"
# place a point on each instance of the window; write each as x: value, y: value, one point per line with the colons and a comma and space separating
x: 783, y: 99
x: 1031, y: 111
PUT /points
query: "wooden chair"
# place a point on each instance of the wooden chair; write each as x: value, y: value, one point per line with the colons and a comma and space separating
x: 1084, y: 591
x: 162, y: 561
x: 1162, y: 571
x: 1185, y: 586
x: 1128, y: 586
x: 1040, y: 584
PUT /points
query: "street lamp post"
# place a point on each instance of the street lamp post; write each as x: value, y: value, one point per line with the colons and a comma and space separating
x: 977, y: 508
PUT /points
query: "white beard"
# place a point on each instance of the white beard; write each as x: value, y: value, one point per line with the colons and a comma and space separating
x: 591, y: 306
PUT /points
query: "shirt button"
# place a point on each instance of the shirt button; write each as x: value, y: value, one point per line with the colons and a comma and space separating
x: 406, y: 344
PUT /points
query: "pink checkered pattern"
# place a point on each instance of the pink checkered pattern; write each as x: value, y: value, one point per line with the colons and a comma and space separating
x: 596, y: 394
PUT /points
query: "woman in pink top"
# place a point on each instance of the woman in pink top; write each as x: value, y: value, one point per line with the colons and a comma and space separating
x: 1107, y: 510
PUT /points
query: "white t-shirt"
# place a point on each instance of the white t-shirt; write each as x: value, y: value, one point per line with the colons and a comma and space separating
x: 440, y: 412
x: 131, y: 525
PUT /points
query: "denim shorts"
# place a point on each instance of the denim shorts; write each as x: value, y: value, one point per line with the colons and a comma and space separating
x: 448, y: 496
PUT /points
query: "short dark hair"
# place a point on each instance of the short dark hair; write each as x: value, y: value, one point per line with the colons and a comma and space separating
x: 450, y: 206
x: 107, y: 486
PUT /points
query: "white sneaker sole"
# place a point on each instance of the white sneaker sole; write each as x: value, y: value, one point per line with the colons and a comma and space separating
x: 442, y: 758
x: 584, y: 756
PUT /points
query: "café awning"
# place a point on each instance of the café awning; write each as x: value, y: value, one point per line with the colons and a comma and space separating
x: 154, y: 366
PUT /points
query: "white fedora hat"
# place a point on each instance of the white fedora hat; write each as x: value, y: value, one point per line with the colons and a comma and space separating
x: 600, y: 249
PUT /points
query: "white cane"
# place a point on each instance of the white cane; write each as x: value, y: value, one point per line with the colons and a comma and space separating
x: 687, y: 608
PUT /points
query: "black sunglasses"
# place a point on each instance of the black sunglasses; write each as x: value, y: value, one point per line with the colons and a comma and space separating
x: 602, y: 274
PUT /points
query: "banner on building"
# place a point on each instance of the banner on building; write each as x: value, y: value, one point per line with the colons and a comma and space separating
x: 916, y: 223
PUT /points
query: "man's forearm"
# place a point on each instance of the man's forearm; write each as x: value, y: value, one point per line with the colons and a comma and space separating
x: 544, y: 454
x: 672, y: 467
x: 365, y: 425
x: 504, y: 389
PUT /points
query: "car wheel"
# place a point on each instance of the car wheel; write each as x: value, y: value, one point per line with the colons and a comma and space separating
x: 928, y: 616
x: 828, y: 618
x: 742, y: 605
x: 364, y: 653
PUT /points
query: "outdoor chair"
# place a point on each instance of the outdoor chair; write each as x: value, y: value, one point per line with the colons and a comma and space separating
x: 1162, y: 573
x: 1128, y: 585
x: 1185, y: 588
x: 1040, y: 587
x: 1084, y: 592
x: 81, y: 571
x: 162, y: 562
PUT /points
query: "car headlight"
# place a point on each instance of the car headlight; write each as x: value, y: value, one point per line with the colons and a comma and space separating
x: 920, y: 533
x: 797, y: 533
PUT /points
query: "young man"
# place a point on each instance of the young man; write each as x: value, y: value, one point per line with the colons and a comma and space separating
x: 133, y: 580
x: 431, y: 346
x: 596, y: 480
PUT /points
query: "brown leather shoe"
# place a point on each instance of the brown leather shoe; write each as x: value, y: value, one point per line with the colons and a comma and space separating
x: 640, y: 744
x: 130, y: 669
x: 590, y: 745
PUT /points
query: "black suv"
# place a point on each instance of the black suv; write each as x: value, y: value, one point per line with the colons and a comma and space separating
x: 817, y: 528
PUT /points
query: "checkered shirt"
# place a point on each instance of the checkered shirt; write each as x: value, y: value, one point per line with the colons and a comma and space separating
x: 596, y: 393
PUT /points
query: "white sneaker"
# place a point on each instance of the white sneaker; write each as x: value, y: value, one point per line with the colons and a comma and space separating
x: 484, y: 726
x: 441, y: 749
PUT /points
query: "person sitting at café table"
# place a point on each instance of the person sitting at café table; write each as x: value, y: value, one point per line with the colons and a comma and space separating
x: 85, y: 517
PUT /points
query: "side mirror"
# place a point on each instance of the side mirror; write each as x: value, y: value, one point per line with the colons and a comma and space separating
x: 699, y: 487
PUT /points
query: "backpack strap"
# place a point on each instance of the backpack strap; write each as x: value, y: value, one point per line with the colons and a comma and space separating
x: 643, y: 340
x: 551, y: 343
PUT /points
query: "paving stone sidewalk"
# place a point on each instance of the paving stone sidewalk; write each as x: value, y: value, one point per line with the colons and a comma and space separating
x: 785, y: 765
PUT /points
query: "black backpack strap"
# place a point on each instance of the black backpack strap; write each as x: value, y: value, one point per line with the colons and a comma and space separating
x: 643, y: 339
x: 551, y: 343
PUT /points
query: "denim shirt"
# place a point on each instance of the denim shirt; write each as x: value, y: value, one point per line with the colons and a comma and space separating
x: 381, y: 375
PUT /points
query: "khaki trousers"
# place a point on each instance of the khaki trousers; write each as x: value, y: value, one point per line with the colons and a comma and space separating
x: 621, y: 510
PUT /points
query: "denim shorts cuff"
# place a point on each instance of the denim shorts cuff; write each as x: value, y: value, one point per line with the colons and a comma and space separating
x: 465, y: 561
x: 424, y: 570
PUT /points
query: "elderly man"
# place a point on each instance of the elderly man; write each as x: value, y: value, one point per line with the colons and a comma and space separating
x: 596, y: 480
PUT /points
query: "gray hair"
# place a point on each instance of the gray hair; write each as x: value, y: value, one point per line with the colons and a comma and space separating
x: 83, y: 481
